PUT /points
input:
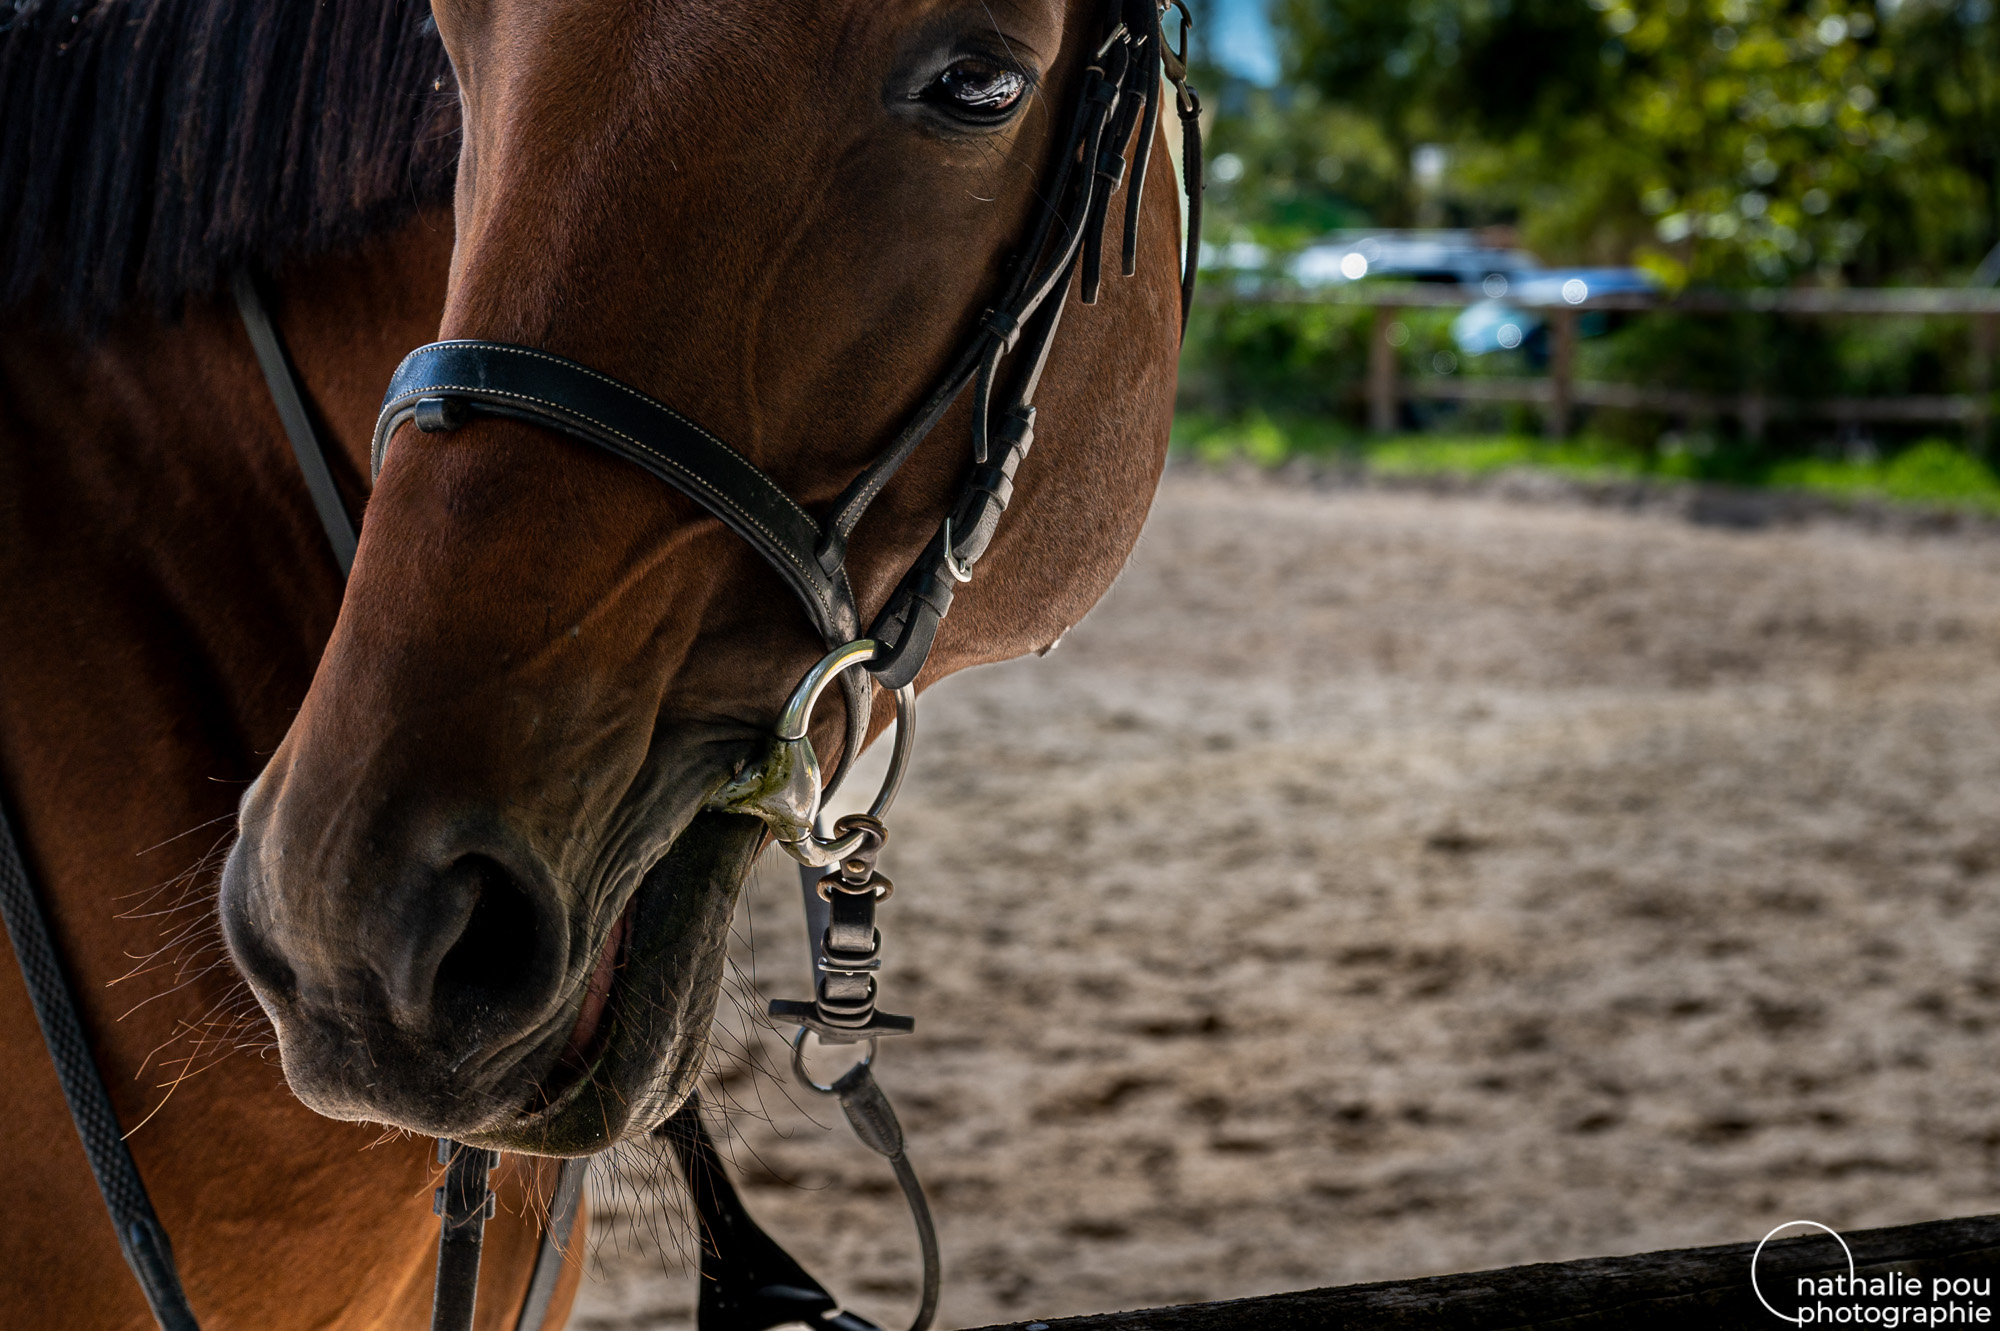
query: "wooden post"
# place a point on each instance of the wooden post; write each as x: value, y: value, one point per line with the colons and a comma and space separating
x: 1704, y: 1287
x: 1382, y: 373
x: 1562, y: 370
x: 1979, y: 427
x: 1753, y: 410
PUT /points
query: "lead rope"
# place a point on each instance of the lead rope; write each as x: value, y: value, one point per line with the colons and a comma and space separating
x: 140, y: 1236
x: 846, y: 950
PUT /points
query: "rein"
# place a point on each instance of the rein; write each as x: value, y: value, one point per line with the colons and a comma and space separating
x: 749, y: 1283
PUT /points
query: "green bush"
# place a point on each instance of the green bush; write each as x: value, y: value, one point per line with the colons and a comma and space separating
x: 1933, y: 472
x: 1305, y: 360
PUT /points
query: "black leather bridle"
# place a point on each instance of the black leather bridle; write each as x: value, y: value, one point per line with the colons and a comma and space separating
x: 748, y: 1282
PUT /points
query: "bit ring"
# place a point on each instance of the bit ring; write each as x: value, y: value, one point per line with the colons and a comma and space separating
x: 812, y: 849
x: 805, y: 1078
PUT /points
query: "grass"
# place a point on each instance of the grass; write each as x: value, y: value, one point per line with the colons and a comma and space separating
x: 1933, y: 473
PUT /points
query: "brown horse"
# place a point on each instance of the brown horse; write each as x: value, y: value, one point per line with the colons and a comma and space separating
x: 165, y: 593
x: 777, y: 218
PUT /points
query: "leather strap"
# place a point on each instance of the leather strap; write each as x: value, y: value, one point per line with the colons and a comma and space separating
x: 549, y: 1260
x: 440, y: 385
x: 748, y: 1282
x: 464, y: 1204
x: 436, y: 384
x: 140, y: 1236
x: 282, y: 379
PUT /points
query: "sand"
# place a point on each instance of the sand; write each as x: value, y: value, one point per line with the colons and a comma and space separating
x: 1379, y: 885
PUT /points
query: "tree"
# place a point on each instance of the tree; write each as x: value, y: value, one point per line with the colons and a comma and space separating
x: 1722, y: 140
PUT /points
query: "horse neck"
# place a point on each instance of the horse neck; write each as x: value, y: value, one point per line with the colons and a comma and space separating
x: 165, y: 584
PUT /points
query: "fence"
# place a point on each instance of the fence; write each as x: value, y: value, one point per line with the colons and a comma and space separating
x: 1559, y: 393
x: 1705, y: 1288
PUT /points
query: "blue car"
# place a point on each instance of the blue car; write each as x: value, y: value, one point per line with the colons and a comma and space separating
x: 1510, y: 315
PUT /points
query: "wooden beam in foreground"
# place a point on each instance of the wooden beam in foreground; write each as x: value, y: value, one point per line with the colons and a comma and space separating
x: 1689, y: 1289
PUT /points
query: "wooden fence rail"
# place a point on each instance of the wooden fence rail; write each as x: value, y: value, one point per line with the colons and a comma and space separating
x: 1689, y: 1289
x: 1560, y: 392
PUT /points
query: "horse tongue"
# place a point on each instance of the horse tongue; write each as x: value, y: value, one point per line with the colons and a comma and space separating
x: 597, y: 993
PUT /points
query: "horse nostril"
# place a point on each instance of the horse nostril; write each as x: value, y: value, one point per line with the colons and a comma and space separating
x: 497, y: 950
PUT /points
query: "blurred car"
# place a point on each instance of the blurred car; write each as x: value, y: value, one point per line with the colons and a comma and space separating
x: 1509, y: 316
x: 1463, y: 257
x: 1512, y: 280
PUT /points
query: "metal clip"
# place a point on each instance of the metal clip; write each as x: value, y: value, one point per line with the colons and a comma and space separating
x: 960, y: 570
x: 439, y: 415
x: 1175, y: 62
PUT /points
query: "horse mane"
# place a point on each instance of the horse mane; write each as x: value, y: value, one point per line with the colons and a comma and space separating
x: 148, y: 147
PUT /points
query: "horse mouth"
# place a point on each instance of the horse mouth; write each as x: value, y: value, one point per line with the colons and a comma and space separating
x: 635, y: 1049
x: 586, y: 1045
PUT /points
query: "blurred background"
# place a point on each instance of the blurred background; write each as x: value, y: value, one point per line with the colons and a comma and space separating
x: 1704, y: 169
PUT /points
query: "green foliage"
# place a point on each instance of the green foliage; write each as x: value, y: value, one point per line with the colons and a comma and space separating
x: 1714, y: 140
x: 1426, y: 455
x: 1731, y: 142
x: 1296, y: 358
x: 1933, y: 472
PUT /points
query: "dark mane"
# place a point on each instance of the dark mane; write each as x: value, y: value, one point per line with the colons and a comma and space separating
x: 149, y: 146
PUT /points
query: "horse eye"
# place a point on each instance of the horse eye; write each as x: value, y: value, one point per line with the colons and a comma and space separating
x: 977, y: 89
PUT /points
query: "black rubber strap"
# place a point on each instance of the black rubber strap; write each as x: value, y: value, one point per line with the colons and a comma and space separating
x: 748, y: 1282
x: 464, y: 1204
x: 436, y: 384
x: 140, y: 1236
x: 868, y: 1112
x: 282, y: 379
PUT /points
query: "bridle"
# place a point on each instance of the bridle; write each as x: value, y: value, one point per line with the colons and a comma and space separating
x: 441, y: 386
x: 748, y: 1282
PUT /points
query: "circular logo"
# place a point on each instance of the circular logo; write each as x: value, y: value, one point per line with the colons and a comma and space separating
x: 1760, y: 1252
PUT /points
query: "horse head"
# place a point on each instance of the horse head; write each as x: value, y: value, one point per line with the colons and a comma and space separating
x: 483, y: 887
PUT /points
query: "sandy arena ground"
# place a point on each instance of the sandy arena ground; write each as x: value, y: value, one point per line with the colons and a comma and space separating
x: 1380, y: 885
